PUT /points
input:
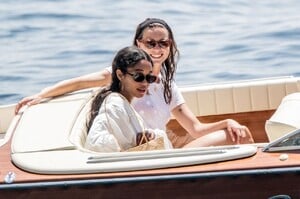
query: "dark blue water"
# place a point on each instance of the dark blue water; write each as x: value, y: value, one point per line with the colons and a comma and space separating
x: 43, y: 42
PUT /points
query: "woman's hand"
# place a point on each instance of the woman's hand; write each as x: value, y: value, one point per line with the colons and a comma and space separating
x: 149, y: 135
x: 30, y: 100
x: 239, y: 134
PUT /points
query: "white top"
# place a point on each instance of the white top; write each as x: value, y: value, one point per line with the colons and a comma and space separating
x: 116, y: 125
x: 153, y: 108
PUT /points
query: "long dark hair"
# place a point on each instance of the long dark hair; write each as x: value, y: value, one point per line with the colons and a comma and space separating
x: 125, y: 58
x: 170, y: 64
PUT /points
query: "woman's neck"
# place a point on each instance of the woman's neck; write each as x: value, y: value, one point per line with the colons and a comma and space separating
x: 156, y: 69
x: 127, y: 96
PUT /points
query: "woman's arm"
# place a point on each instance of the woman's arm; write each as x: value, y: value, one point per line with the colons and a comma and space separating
x: 86, y: 81
x: 224, y: 128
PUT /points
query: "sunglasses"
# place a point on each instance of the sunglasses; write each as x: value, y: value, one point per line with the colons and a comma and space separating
x: 152, y: 43
x: 140, y: 77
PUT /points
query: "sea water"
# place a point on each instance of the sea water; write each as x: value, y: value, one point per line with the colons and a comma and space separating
x: 46, y: 41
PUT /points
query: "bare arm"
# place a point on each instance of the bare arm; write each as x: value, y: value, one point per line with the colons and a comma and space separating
x: 86, y: 81
x: 197, y: 129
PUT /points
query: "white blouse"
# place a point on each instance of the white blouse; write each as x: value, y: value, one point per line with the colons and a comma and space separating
x: 116, y: 125
x: 153, y: 107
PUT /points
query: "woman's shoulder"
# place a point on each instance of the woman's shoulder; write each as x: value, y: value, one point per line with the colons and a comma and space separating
x: 116, y: 100
x: 115, y: 97
x: 117, y: 104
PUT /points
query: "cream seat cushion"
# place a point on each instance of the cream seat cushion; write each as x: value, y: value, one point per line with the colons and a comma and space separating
x: 286, y: 118
x: 56, y: 124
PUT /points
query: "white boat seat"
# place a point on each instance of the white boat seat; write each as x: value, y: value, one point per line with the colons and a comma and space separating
x: 286, y: 118
x: 51, y: 130
x: 5, y: 128
x: 79, y: 131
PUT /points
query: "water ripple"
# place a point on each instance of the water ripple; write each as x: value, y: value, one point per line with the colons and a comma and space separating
x: 284, y: 34
x: 11, y: 78
x: 47, y: 16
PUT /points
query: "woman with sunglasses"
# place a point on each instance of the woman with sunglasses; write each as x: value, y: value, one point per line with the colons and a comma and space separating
x: 156, y: 38
x: 113, y: 124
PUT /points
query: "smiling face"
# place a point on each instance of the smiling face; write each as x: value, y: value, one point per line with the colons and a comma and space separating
x: 155, y: 41
x: 129, y: 86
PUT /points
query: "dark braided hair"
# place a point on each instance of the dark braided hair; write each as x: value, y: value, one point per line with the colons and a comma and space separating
x: 169, y: 66
x: 125, y: 58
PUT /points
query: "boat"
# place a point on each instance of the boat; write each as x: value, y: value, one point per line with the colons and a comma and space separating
x: 42, y: 152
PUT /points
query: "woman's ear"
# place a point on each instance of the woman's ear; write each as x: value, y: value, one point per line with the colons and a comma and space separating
x: 120, y: 75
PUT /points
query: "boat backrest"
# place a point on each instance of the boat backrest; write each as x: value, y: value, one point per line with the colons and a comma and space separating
x: 286, y: 118
x: 7, y: 117
x: 79, y: 131
x: 242, y: 96
x: 52, y: 125
x: 7, y: 113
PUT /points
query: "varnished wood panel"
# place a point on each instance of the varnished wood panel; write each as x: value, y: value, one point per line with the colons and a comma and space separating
x: 255, y: 121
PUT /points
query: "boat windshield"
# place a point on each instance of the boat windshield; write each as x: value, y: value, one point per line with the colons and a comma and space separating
x: 290, y: 141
